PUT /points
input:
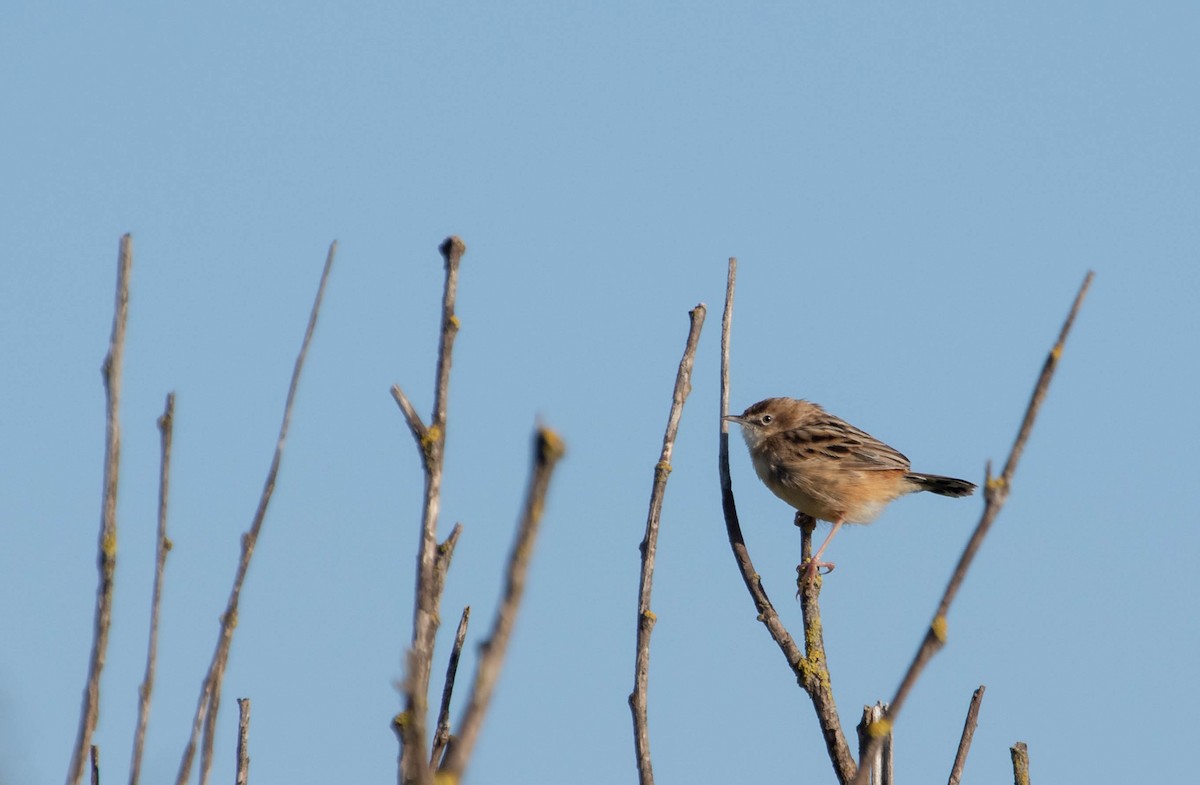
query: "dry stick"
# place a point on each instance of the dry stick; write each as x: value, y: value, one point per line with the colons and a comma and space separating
x: 431, y: 442
x: 882, y: 761
x: 243, y: 742
x: 810, y: 670
x: 441, y: 565
x: 210, y: 688
x: 107, y: 560
x: 1020, y: 762
x: 548, y: 448
x: 441, y: 736
x: 814, y: 668
x: 645, y: 617
x: 441, y: 562
x: 166, y: 428
x: 964, y: 744
x: 995, y: 494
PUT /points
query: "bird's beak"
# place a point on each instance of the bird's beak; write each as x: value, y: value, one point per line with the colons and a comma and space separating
x: 737, y: 418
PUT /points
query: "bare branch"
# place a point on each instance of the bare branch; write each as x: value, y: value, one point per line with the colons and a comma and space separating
x: 431, y: 442
x: 813, y: 669
x: 441, y: 563
x: 210, y: 689
x: 166, y: 428
x: 452, y: 249
x: 881, y: 761
x: 1020, y: 762
x: 646, y: 617
x: 964, y: 744
x: 810, y: 671
x: 419, y: 431
x: 107, y: 559
x: 243, y: 742
x: 995, y: 494
x: 548, y: 448
x: 441, y: 736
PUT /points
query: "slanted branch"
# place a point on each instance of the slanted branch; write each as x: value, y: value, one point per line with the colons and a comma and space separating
x: 649, y: 547
x: 810, y: 666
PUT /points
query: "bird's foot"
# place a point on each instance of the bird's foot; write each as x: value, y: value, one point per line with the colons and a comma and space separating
x: 811, y: 568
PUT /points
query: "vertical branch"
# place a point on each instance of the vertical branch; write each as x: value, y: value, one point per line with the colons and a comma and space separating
x: 210, y: 689
x: 548, y: 448
x: 880, y: 762
x: 242, y: 773
x: 645, y: 617
x: 431, y: 441
x: 441, y: 736
x: 95, y: 765
x: 1020, y: 762
x: 964, y: 744
x: 810, y: 671
x: 166, y: 428
x: 813, y: 669
x: 995, y: 494
x: 107, y: 559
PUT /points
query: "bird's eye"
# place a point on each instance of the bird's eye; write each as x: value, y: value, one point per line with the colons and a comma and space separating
x: 766, y: 419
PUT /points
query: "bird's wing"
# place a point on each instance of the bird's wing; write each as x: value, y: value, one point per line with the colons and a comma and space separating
x: 832, y: 438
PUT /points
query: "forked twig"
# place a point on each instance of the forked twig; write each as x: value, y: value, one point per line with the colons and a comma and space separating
x: 162, y: 545
x: 964, y: 743
x: 210, y: 688
x: 810, y: 669
x: 646, y: 617
x: 996, y: 491
x: 548, y: 448
x: 430, y: 441
x: 107, y: 560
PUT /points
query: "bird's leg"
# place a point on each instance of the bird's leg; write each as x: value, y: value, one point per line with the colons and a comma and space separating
x: 815, y: 563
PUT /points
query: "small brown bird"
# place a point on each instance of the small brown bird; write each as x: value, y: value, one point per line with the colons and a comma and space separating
x: 825, y: 467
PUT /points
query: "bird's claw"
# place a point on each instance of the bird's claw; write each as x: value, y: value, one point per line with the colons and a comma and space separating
x: 811, y: 568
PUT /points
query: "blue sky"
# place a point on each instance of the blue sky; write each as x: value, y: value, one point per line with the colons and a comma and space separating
x: 914, y: 193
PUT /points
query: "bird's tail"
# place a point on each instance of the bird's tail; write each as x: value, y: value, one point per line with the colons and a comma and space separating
x: 943, y: 486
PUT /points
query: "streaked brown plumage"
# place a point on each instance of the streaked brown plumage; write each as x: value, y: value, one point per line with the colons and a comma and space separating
x: 825, y: 467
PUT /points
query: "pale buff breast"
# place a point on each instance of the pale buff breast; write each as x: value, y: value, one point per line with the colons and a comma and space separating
x: 833, y: 494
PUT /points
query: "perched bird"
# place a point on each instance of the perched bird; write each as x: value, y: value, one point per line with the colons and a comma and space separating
x: 825, y: 467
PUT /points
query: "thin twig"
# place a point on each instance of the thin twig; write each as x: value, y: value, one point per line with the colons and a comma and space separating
x: 441, y: 736
x: 210, y: 688
x: 441, y: 562
x: 419, y: 431
x: 1020, y: 762
x: 995, y: 494
x: 431, y: 442
x: 166, y: 428
x: 107, y: 559
x: 646, y: 617
x: 964, y: 744
x: 95, y: 765
x: 243, y: 742
x: 810, y: 671
x: 548, y: 448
